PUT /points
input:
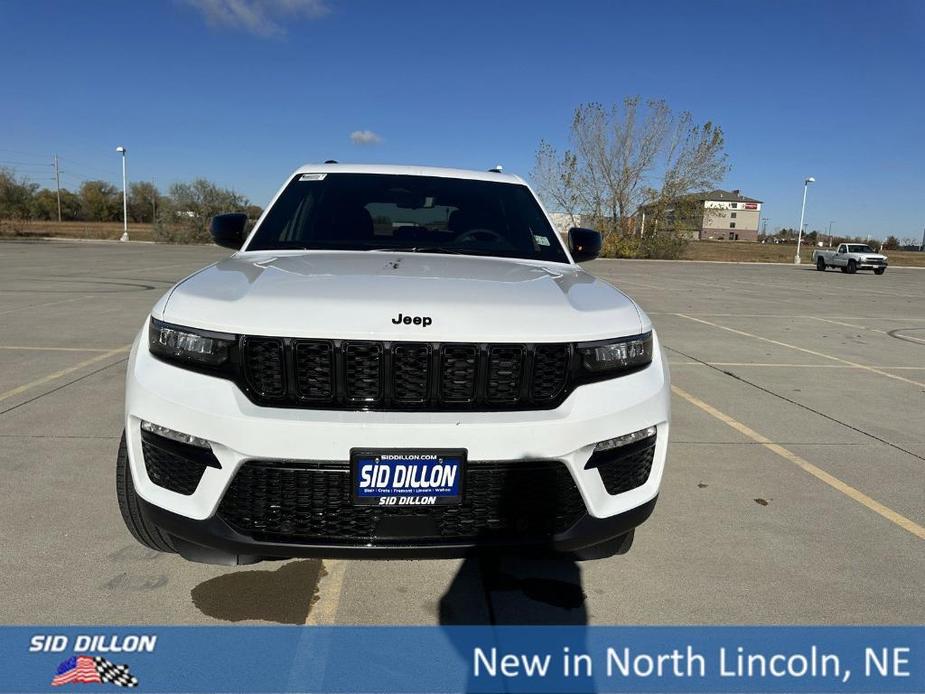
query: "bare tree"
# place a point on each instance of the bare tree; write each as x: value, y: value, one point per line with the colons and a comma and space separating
x: 627, y: 155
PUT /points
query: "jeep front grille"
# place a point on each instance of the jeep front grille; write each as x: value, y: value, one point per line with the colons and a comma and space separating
x: 336, y: 374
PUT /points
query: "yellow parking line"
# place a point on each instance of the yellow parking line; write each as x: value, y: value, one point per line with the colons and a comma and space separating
x: 330, y: 591
x: 63, y: 372
x: 816, y: 472
x: 803, y: 349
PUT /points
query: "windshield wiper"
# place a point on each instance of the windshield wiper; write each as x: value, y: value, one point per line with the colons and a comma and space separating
x: 426, y: 249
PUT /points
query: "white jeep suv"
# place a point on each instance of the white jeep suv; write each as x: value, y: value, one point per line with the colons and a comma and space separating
x: 395, y: 362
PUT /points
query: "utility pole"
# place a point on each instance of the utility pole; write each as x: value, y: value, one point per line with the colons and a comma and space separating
x: 830, y: 232
x: 922, y: 247
x: 58, y: 186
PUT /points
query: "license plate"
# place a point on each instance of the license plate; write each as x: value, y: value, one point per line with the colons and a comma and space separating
x: 407, y: 477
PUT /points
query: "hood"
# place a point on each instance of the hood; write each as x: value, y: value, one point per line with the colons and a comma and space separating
x: 360, y: 295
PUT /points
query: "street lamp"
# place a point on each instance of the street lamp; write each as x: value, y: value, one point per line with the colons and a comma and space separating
x: 806, y: 182
x: 122, y: 151
x: 830, y: 232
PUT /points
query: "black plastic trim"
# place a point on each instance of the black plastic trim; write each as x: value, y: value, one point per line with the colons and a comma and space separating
x: 213, y: 541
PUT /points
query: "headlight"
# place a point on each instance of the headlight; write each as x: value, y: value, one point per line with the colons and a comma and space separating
x: 610, y: 357
x: 188, y: 345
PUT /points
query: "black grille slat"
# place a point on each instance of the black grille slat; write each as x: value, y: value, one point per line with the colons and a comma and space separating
x: 363, y: 371
x: 311, y: 503
x: 410, y: 372
x: 505, y: 366
x: 314, y: 370
x: 263, y: 366
x: 334, y: 374
x: 550, y: 370
x: 458, y: 372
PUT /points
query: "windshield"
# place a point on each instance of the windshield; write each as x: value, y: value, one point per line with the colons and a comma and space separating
x: 859, y: 248
x: 423, y: 214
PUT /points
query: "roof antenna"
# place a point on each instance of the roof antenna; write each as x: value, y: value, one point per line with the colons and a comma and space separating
x: 497, y: 169
x: 330, y: 161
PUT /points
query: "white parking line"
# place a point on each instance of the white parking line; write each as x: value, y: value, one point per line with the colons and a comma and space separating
x: 31, y: 348
x: 50, y: 303
x: 850, y: 325
x: 792, y: 366
x: 871, y: 369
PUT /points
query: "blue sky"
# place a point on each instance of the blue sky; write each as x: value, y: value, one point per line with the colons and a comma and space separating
x: 243, y: 91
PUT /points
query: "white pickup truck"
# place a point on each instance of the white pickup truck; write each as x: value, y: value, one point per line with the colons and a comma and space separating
x: 850, y: 257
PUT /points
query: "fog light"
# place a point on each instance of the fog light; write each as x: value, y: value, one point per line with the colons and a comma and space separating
x: 174, y: 435
x: 625, y: 440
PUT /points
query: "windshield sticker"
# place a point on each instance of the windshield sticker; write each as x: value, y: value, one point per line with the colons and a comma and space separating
x: 312, y: 177
x: 540, y: 240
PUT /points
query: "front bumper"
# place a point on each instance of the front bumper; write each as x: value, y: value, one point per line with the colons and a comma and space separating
x: 239, y: 431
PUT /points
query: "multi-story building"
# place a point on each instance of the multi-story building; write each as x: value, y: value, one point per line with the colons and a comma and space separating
x: 729, y: 215
x: 718, y: 214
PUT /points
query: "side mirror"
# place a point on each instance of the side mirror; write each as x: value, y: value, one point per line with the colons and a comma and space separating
x: 228, y: 229
x: 584, y: 244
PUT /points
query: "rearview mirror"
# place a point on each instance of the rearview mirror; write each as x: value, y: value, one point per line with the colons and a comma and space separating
x: 228, y: 229
x: 584, y: 244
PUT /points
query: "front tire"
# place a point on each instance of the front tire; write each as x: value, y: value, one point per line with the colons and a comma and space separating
x: 852, y: 267
x: 820, y: 264
x: 141, y: 529
x: 879, y: 270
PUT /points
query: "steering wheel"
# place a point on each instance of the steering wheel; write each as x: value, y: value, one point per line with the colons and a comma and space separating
x: 480, y: 235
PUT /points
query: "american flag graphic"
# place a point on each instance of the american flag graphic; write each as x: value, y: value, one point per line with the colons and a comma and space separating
x: 92, y: 670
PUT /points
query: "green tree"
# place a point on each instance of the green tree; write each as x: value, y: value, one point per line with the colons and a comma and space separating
x: 45, y: 205
x: 143, y: 201
x: 191, y: 208
x: 628, y: 155
x: 15, y: 195
x: 100, y: 201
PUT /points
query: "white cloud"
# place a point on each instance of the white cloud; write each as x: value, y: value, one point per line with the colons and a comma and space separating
x: 365, y: 137
x: 261, y: 17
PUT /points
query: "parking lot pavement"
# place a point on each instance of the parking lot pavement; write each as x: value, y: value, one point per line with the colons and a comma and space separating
x: 795, y: 491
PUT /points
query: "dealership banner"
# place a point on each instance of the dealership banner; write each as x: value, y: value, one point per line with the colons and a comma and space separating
x: 463, y: 659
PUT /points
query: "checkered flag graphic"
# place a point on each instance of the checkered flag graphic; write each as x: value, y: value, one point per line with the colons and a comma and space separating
x: 116, y: 674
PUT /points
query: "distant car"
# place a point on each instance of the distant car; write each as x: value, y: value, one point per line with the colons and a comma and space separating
x: 850, y: 257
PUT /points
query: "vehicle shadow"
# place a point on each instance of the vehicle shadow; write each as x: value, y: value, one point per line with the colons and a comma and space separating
x: 514, y: 590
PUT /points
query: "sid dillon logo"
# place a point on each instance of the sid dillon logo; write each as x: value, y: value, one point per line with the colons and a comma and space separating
x: 423, y: 321
x: 88, y: 669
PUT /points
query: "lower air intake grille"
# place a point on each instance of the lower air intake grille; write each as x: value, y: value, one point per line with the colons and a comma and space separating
x: 173, y: 465
x: 623, y: 469
x: 311, y: 503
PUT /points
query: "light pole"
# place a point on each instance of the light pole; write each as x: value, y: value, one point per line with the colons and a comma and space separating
x: 830, y: 231
x: 122, y: 151
x: 806, y: 182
